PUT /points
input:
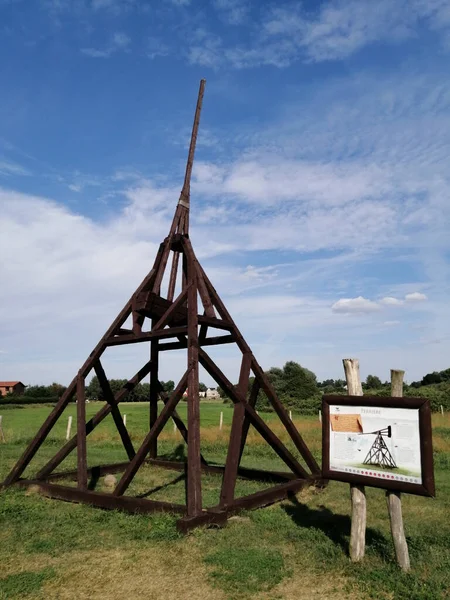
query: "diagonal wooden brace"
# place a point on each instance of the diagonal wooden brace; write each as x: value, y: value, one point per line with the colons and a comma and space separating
x: 254, y: 418
x: 264, y: 382
x: 236, y: 435
x: 162, y: 419
x: 92, y: 423
x: 115, y: 412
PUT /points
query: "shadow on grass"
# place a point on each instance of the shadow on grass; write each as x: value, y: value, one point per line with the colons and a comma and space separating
x: 177, y: 454
x: 163, y: 486
x: 335, y: 527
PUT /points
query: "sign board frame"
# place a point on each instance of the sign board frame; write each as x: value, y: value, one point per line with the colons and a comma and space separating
x: 427, y: 487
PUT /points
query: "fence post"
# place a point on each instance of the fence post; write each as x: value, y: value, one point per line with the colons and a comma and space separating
x: 125, y: 420
x: 393, y: 499
x: 69, y: 427
x: 357, y: 492
x: 442, y: 410
x: 2, y: 435
x: 221, y: 420
x: 290, y: 415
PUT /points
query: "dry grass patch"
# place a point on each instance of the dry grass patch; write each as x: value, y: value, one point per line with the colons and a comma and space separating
x: 132, y: 572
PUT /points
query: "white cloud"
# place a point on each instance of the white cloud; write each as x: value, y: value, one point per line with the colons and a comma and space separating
x: 361, y: 185
x: 390, y: 301
x: 119, y: 42
x: 206, y: 49
x: 9, y: 168
x: 415, y: 297
x: 269, y: 179
x: 232, y: 11
x: 355, y: 306
x: 156, y: 47
x: 335, y: 30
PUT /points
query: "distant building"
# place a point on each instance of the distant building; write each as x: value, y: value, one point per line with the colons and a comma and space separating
x: 11, y: 387
x: 210, y: 394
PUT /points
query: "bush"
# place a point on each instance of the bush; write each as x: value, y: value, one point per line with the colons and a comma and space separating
x: 14, y: 399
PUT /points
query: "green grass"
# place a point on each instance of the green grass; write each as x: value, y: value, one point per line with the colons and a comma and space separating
x: 51, y: 549
x: 24, y: 584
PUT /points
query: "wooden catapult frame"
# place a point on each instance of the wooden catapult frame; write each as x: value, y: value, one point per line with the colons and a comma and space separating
x: 175, y: 323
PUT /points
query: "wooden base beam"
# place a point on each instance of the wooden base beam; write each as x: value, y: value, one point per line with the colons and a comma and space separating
x: 101, y: 500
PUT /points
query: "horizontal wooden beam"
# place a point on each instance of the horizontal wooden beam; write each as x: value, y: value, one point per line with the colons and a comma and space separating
x: 269, y: 496
x: 101, y: 500
x: 214, y: 322
x: 147, y: 336
x: 96, y: 471
x: 212, y: 341
x: 186, y: 524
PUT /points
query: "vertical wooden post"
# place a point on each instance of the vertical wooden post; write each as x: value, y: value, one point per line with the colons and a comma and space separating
x: 194, y: 481
x: 393, y: 499
x: 69, y: 427
x: 154, y: 390
x: 81, y: 434
x: 357, y: 492
x: 125, y: 420
x: 221, y: 420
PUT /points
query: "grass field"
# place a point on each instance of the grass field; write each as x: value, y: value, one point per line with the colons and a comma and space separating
x: 296, y: 549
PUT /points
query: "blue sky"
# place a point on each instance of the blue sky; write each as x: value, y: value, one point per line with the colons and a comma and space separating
x: 320, y: 193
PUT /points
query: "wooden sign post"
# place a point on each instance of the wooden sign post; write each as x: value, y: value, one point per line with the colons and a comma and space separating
x: 393, y: 499
x: 357, y: 492
x: 383, y: 442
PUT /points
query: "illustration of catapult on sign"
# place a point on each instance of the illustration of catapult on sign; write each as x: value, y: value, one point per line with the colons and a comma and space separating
x: 379, y: 453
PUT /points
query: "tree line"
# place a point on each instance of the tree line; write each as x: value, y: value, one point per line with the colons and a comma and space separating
x: 49, y: 394
x: 296, y: 386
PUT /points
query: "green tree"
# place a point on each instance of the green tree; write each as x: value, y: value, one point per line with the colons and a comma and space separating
x: 56, y: 389
x: 295, y: 386
x: 38, y: 391
x: 93, y: 389
x: 373, y: 382
x: 430, y: 378
x: 202, y: 387
x: 168, y: 386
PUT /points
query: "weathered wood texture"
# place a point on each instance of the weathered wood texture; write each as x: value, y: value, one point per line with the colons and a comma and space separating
x: 115, y: 412
x: 234, y: 446
x: 394, y: 499
x: 178, y: 321
x: 81, y: 434
x: 194, y: 474
x: 357, y: 492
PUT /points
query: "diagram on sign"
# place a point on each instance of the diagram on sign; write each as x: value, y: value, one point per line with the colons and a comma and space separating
x: 379, y: 453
